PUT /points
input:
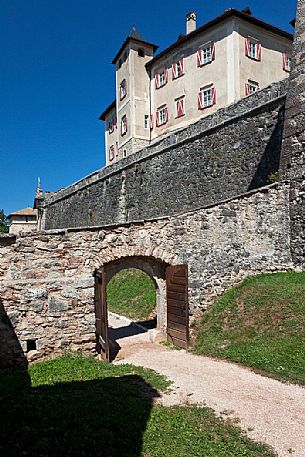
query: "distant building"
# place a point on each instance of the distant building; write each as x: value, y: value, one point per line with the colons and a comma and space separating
x: 210, y: 67
x: 24, y: 220
x: 28, y: 219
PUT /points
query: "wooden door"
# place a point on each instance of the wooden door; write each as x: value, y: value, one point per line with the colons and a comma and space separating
x: 177, y: 305
x: 101, y: 314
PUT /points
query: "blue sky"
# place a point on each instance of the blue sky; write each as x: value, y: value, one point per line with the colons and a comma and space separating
x: 56, y: 78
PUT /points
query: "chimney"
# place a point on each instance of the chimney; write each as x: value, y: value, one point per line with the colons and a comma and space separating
x: 191, y: 23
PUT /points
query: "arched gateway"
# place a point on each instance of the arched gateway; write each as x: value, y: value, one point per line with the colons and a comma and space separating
x: 171, y: 282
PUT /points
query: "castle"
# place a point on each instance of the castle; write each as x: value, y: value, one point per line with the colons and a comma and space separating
x: 209, y: 68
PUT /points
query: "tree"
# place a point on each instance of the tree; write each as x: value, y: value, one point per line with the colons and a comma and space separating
x: 3, y: 222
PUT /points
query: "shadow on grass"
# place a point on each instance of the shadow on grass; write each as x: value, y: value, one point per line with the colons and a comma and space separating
x: 105, y: 417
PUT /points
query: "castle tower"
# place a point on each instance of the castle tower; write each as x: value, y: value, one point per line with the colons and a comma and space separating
x: 293, y: 148
x: 133, y: 93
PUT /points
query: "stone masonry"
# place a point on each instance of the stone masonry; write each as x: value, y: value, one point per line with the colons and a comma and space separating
x: 219, y: 157
x: 46, y: 279
x: 293, y: 157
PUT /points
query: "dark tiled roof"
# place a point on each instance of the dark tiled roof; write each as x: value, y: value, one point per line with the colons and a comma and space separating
x: 246, y: 15
x: 107, y: 110
x: 135, y: 36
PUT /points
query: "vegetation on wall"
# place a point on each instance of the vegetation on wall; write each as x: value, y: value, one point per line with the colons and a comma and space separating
x: 3, y: 222
x: 260, y: 323
x: 131, y: 293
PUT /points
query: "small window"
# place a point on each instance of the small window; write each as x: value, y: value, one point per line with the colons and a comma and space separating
x: 124, y: 153
x: 146, y: 121
x: 286, y: 62
x: 178, y: 69
x: 124, y: 125
x: 141, y: 52
x: 30, y: 345
x: 123, y: 89
x: 253, y: 49
x: 180, y: 106
x: 162, y: 115
x: 161, y: 78
x: 206, y: 54
x: 111, y: 153
x: 251, y: 87
x: 206, y: 97
x: 111, y: 125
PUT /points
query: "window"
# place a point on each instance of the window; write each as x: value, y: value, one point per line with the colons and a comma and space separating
x: 162, y: 115
x: 30, y: 345
x: 124, y: 153
x: 111, y: 153
x: 286, y: 62
x: 253, y: 49
x: 123, y: 89
x: 146, y: 121
x: 161, y: 78
x: 178, y: 69
x: 180, y: 106
x: 111, y: 125
x: 206, y: 97
x: 124, y: 125
x: 141, y: 53
x: 206, y: 54
x: 251, y: 87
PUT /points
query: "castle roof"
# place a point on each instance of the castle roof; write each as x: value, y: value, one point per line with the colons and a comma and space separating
x: 24, y: 212
x: 107, y: 110
x: 134, y: 36
x: 246, y: 15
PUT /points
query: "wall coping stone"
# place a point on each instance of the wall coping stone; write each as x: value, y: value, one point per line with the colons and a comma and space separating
x: 261, y: 190
x: 246, y: 106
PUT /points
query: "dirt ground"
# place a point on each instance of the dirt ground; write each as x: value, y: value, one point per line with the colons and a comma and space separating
x: 268, y: 410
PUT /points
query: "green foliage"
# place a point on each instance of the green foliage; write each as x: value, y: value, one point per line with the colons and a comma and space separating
x: 3, y: 222
x: 273, y: 177
x: 131, y: 293
x: 78, y: 406
x: 260, y: 323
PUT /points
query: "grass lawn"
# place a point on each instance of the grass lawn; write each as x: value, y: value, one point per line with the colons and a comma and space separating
x: 260, y: 323
x: 78, y: 406
x: 131, y: 293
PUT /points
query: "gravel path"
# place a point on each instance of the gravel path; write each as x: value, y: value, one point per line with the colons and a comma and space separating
x: 270, y: 411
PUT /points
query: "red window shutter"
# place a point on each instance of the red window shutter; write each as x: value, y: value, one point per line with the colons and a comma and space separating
x: 213, y: 96
x: 247, y: 47
x: 157, y: 118
x: 157, y: 81
x: 247, y: 87
x: 166, y: 114
x: 213, y: 50
x: 174, y: 69
x: 166, y: 75
x: 182, y: 65
x: 200, y: 100
x: 180, y: 107
x: 199, y: 58
x: 259, y: 51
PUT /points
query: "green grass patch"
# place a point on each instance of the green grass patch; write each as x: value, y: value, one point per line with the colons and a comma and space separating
x: 131, y: 293
x: 260, y: 323
x: 78, y: 406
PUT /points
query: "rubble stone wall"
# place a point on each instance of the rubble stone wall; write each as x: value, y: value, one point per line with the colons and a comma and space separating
x: 46, y: 279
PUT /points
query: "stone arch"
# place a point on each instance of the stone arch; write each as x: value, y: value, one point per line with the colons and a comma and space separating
x: 155, y: 269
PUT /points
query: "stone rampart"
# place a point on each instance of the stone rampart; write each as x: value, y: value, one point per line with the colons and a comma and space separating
x: 220, y: 156
x: 46, y: 279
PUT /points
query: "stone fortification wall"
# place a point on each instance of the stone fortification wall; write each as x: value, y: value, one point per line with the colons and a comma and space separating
x: 46, y: 279
x: 221, y: 156
x: 293, y: 157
